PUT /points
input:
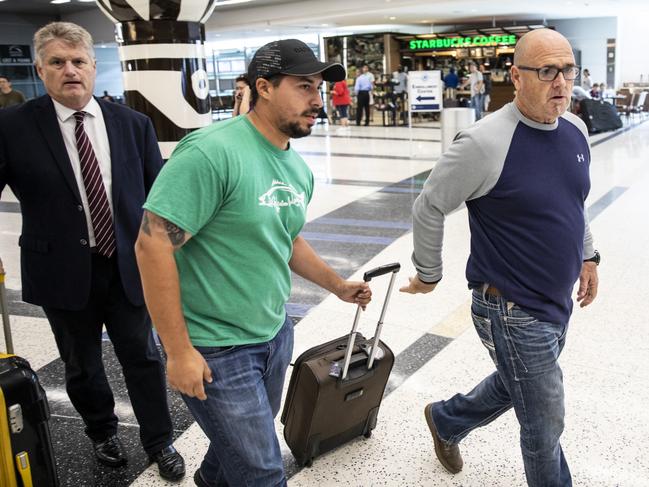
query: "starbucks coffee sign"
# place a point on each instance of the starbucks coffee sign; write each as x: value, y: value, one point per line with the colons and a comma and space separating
x: 458, y: 42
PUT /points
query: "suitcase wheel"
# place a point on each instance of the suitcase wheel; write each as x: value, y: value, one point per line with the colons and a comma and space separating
x: 309, y: 463
x: 368, y: 434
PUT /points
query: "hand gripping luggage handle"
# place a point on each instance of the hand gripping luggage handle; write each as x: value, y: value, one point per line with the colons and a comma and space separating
x: 379, y: 271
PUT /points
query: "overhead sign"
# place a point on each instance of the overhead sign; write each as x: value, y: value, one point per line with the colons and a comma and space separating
x: 425, y: 91
x: 15, y: 54
x: 457, y: 42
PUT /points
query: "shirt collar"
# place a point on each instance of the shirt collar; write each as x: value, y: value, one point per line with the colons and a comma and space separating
x: 64, y: 113
x: 533, y: 123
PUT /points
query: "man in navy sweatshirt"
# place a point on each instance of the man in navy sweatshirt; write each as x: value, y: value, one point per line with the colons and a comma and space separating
x: 524, y: 175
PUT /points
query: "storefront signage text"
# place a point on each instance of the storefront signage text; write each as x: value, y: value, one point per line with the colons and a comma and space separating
x: 455, y: 42
x: 15, y: 54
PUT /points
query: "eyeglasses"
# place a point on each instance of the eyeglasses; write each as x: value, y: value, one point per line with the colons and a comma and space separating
x: 550, y: 73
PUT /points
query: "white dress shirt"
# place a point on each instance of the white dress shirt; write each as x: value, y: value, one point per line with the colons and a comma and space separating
x: 95, y: 127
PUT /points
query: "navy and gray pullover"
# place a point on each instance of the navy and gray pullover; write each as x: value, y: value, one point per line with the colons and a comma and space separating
x: 524, y: 184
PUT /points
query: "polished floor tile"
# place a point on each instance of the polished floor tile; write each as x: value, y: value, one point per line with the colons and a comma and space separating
x: 366, y: 181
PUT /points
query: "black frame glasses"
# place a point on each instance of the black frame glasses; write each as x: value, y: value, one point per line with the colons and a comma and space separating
x: 550, y: 73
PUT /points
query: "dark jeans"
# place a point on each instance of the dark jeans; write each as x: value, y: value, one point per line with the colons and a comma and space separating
x: 238, y: 416
x: 528, y: 377
x: 363, y: 103
x: 78, y: 337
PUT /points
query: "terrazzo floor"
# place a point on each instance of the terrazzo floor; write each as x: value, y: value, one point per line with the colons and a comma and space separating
x: 366, y: 181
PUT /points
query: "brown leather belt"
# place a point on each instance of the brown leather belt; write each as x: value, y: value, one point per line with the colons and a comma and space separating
x: 493, y: 291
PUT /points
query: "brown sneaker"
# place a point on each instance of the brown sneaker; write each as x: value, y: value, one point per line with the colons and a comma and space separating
x: 448, y: 455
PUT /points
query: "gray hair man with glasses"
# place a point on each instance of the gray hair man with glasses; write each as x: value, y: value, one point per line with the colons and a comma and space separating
x: 524, y: 175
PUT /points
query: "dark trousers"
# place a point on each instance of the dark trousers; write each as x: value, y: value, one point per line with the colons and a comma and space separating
x: 78, y: 337
x: 363, y: 103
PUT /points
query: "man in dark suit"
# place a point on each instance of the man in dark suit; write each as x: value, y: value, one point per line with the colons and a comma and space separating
x: 81, y: 169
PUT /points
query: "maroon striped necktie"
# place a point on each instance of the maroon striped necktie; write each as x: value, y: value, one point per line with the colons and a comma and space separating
x: 100, y: 215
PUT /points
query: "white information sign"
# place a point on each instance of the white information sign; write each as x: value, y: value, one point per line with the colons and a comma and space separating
x: 425, y: 91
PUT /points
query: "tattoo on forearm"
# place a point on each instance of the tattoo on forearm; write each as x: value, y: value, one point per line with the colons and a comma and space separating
x: 176, y: 234
x: 145, y: 224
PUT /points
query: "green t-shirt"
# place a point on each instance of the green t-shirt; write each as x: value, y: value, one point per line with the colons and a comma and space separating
x: 244, y: 202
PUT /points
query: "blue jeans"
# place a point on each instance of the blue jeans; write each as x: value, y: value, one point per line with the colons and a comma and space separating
x: 238, y: 415
x: 477, y: 102
x: 528, y: 377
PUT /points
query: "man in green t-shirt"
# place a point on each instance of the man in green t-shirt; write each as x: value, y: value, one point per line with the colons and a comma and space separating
x: 8, y: 96
x: 219, y: 239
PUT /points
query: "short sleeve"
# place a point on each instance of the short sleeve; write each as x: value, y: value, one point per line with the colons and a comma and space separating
x: 189, y: 190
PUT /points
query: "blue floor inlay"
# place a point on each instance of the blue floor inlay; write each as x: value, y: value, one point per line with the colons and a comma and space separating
x: 355, y: 239
x: 352, y: 222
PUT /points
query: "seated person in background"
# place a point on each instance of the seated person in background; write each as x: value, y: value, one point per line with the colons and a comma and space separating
x: 595, y: 93
x: 606, y: 92
x: 241, y: 96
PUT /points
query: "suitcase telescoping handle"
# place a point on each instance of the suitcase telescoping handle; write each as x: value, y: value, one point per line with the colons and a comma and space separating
x: 367, y: 277
x: 5, y: 311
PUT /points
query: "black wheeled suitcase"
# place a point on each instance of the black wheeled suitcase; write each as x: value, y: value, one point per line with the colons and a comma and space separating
x: 599, y: 116
x: 336, y: 388
x: 26, y: 456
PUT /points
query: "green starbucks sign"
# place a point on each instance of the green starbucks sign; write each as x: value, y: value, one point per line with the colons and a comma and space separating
x: 457, y: 42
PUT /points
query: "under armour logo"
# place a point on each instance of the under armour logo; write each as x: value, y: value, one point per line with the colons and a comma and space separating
x: 580, y: 158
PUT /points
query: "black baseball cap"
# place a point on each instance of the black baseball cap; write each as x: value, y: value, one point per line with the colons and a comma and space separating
x: 292, y: 57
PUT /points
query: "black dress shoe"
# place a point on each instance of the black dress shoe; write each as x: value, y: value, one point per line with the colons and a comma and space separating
x: 199, y: 480
x: 170, y: 464
x: 110, y: 451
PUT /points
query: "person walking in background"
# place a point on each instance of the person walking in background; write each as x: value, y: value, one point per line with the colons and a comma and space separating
x: 341, y: 99
x: 363, y: 89
x: 527, y: 252
x: 451, y: 82
x: 486, y: 97
x: 81, y: 168
x: 586, y: 82
x: 8, y: 96
x: 218, y: 242
x: 476, y: 83
x: 241, y: 96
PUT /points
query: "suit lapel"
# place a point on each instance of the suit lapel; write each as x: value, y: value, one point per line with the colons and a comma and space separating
x: 48, y: 124
x: 114, y: 131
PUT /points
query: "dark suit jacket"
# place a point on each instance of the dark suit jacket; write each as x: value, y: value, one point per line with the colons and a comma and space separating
x: 55, y: 255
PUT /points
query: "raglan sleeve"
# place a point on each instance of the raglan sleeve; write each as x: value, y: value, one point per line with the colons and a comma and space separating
x: 462, y: 173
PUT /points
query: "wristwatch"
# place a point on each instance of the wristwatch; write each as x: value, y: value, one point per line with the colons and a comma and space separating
x: 595, y: 258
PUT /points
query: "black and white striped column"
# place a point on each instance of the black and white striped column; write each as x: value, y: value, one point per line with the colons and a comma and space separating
x: 163, y: 62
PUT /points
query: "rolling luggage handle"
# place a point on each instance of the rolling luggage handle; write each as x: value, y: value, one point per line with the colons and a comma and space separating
x: 367, y: 277
x: 5, y: 311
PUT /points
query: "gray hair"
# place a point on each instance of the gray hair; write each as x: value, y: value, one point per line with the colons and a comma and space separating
x: 63, y: 31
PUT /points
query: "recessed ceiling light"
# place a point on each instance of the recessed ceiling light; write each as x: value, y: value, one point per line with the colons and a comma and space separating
x: 56, y: 2
x: 324, y: 25
x: 393, y: 18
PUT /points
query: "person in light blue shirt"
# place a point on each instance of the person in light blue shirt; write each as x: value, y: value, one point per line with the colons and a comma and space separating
x: 363, y: 88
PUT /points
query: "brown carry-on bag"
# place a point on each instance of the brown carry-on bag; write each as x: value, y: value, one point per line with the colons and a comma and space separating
x: 336, y: 388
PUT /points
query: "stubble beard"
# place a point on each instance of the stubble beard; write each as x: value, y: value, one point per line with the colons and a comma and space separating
x: 294, y: 130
